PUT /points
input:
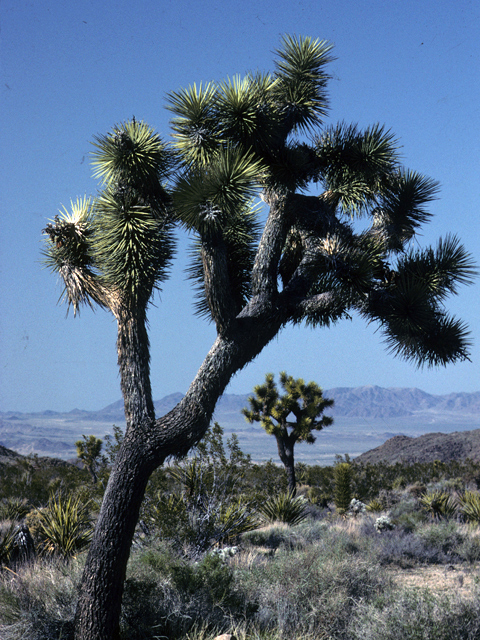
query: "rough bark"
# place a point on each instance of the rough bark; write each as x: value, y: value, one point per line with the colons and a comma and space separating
x: 99, y: 605
x: 146, y: 445
x: 285, y: 446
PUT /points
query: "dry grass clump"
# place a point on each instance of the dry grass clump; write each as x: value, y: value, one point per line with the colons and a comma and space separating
x: 37, y: 600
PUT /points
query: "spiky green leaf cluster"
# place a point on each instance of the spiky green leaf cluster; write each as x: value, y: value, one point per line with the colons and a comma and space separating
x: 256, y: 113
x: 132, y: 248
x: 303, y: 401
x: 132, y: 154
x: 301, y: 81
x: 114, y: 250
x: 64, y: 527
x: 354, y: 165
x: 284, y: 507
x: 67, y: 251
x: 207, y: 199
x: 410, y: 307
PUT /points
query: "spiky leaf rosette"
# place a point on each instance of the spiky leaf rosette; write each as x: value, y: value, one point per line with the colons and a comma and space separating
x: 442, y: 269
x: 247, y: 112
x: 132, y: 249
x: 415, y: 325
x: 301, y: 88
x: 401, y: 208
x: 133, y: 155
x: 204, y: 199
x: 353, y: 165
x: 195, y: 124
x: 67, y: 251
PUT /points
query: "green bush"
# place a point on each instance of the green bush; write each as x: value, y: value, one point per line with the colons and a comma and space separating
x: 14, y: 509
x: 444, y: 536
x: 7, y: 544
x: 307, y: 594
x: 38, y: 601
x: 168, y: 596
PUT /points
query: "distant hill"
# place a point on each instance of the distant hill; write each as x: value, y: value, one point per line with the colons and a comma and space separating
x: 7, y: 457
x: 377, y: 402
x: 444, y: 447
x: 364, y: 418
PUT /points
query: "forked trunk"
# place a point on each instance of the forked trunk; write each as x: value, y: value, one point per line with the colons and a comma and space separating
x: 146, y: 445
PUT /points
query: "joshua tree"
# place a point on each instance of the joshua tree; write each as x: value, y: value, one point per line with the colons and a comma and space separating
x: 296, y: 258
x: 304, y: 403
x: 89, y: 452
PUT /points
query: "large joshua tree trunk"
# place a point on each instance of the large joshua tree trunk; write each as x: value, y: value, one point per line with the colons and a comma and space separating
x: 146, y: 445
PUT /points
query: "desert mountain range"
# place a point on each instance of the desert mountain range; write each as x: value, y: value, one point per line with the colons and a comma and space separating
x: 365, y: 418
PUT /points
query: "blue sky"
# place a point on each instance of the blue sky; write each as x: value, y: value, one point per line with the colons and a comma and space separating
x: 70, y: 70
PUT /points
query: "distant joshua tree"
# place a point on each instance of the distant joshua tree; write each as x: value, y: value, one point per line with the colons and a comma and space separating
x: 291, y: 417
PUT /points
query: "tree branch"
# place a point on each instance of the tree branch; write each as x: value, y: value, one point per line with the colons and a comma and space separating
x: 217, y: 282
x: 265, y: 268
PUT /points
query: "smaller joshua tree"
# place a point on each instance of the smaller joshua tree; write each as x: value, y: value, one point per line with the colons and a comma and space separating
x: 89, y: 451
x: 291, y: 417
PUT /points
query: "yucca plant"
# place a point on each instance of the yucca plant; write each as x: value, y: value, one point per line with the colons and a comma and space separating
x: 14, y: 509
x: 7, y: 545
x: 235, y: 143
x: 438, y: 504
x: 469, y: 506
x: 64, y: 527
x: 236, y: 519
x: 342, y: 495
x: 375, y: 506
x: 304, y: 402
x: 286, y: 507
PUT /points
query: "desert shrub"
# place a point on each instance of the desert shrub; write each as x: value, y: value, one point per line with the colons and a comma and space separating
x: 198, y: 502
x: 417, y: 489
x: 407, y: 514
x: 307, y: 593
x: 200, y: 522
x: 409, y: 522
x: 399, y: 483
x: 38, y: 601
x: 444, y: 536
x: 284, y: 507
x: 272, y: 536
x: 168, y: 596
x: 7, y: 543
x: 469, y: 549
x: 416, y: 615
x: 406, y: 550
x: 317, y: 497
